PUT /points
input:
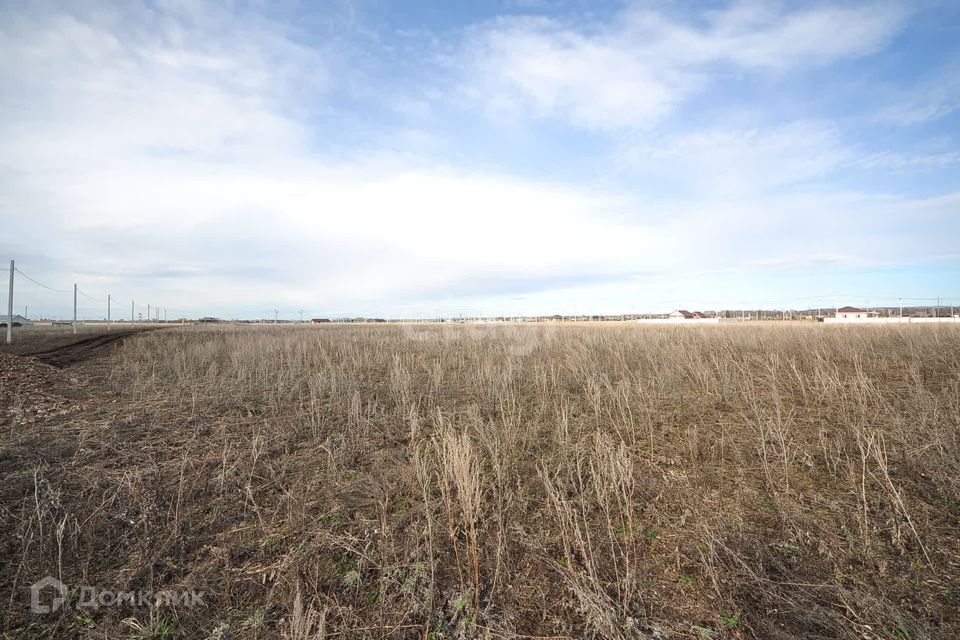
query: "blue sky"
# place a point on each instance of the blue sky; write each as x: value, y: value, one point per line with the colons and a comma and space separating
x: 438, y: 158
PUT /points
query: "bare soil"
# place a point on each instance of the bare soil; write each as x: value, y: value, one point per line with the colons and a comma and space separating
x: 82, y: 349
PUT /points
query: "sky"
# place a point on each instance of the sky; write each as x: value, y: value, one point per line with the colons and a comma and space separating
x: 418, y: 159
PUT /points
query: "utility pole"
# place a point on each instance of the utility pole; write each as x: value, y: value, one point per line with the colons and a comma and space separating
x: 301, y: 316
x: 164, y: 314
x: 274, y: 316
x: 74, y: 307
x: 938, y: 307
x: 131, y: 312
x: 10, y: 306
x: 900, y: 300
x: 108, y: 312
x: 148, y: 312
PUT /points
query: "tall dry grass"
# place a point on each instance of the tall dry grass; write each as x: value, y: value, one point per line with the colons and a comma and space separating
x: 509, y: 481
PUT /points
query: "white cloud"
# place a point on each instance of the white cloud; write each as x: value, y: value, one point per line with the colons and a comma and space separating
x: 153, y: 161
x: 156, y: 156
x: 762, y: 36
x: 896, y: 161
x: 536, y: 64
x: 149, y: 83
x: 367, y: 239
x: 936, y: 96
x: 729, y: 161
x: 636, y: 69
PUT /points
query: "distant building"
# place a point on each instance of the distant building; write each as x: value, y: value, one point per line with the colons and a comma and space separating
x: 18, y: 321
x: 320, y: 320
x: 849, y: 313
x: 683, y: 314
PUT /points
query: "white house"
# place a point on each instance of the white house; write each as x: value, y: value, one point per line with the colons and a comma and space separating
x: 683, y: 314
x: 850, y: 313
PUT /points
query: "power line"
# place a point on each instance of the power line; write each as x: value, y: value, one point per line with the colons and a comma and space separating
x: 941, y: 301
x: 40, y: 284
x: 88, y: 296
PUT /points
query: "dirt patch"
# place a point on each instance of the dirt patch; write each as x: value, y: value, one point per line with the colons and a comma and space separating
x: 81, y: 350
x: 28, y: 390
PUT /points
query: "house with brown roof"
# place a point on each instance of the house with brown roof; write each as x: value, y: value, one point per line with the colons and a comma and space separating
x: 683, y: 314
x: 850, y: 313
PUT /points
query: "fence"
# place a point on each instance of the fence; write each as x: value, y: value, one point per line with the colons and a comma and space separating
x: 904, y: 320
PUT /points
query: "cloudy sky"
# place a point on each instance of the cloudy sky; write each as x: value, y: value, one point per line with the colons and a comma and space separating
x: 422, y: 158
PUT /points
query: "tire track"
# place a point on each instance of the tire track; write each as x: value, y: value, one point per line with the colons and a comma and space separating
x: 81, y: 350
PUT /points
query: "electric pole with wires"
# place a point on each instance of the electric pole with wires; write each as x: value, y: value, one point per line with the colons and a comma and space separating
x: 10, y: 306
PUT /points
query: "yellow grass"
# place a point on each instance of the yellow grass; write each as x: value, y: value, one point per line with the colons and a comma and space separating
x: 508, y: 481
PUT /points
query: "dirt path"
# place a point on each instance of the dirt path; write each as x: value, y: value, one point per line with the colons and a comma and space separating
x: 82, y: 349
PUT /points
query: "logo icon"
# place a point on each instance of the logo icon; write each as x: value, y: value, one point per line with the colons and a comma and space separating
x: 36, y: 594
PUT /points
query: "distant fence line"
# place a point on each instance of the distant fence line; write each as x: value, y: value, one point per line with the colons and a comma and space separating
x: 689, y: 320
x: 897, y: 320
x: 904, y: 320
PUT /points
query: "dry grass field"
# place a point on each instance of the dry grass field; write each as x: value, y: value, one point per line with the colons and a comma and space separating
x: 440, y: 482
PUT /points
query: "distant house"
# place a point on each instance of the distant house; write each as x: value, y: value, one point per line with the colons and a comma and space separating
x: 683, y: 314
x: 320, y: 320
x: 18, y: 321
x: 849, y: 313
